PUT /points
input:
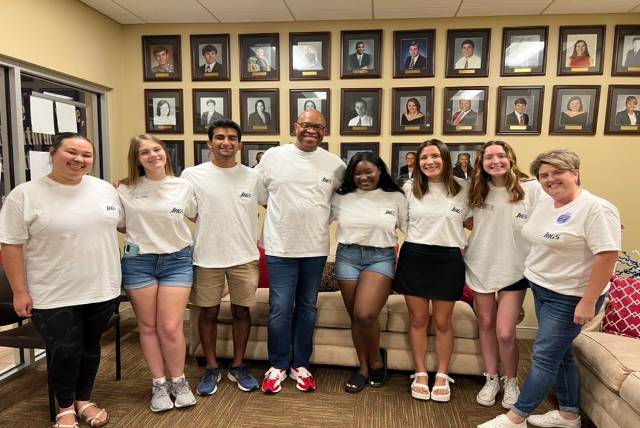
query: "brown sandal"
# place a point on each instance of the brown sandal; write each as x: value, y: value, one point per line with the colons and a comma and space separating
x: 93, y: 421
x: 65, y: 413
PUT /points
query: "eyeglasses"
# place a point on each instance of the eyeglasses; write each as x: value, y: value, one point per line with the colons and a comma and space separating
x: 311, y: 127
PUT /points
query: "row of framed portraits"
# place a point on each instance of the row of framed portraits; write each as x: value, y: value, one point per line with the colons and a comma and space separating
x: 519, y: 110
x: 524, y: 52
x: 252, y: 152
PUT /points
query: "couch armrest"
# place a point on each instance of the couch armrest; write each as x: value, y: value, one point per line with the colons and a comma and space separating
x: 596, y: 323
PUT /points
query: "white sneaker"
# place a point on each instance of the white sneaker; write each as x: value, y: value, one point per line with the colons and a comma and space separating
x: 502, y: 421
x: 487, y: 395
x: 553, y: 419
x: 510, y: 391
x: 160, y: 399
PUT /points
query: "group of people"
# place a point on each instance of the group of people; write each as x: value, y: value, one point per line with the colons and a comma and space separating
x: 517, y: 234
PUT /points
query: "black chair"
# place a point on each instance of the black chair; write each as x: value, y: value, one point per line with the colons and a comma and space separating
x: 25, y: 335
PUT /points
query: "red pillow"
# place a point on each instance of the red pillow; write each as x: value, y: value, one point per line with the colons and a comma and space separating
x: 263, y: 282
x: 622, y: 314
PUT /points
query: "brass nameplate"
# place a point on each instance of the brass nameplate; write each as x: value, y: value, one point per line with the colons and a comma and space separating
x: 518, y: 127
x: 162, y: 127
x: 359, y: 128
x: 633, y: 68
x: 579, y: 69
x: 411, y: 128
x: 464, y: 127
x: 260, y: 127
x: 259, y: 73
x: 629, y: 127
x: 211, y: 74
x: 412, y: 71
x: 522, y: 70
x: 359, y: 71
x: 162, y: 74
x: 573, y: 127
x: 309, y: 73
x: 467, y: 71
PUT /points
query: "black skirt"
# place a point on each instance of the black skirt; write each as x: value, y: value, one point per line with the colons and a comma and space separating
x: 430, y: 271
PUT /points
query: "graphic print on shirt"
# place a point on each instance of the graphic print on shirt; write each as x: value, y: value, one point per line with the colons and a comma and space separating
x: 245, y: 195
x: 110, y: 210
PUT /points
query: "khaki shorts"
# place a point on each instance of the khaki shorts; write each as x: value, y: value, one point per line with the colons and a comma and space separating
x: 208, y: 285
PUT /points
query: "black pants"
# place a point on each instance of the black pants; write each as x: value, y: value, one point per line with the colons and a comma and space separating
x: 72, y: 335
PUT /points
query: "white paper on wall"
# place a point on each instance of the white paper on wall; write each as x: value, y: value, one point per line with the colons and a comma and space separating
x: 66, y: 115
x: 39, y: 164
x: 41, y: 115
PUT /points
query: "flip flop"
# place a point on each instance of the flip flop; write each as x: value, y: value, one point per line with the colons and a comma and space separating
x: 377, y: 377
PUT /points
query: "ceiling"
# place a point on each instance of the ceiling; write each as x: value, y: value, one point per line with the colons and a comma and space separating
x: 213, y: 11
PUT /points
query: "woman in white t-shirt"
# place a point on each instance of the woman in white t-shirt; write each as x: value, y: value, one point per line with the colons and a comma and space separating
x: 501, y: 198
x: 575, y: 238
x: 368, y: 208
x: 60, y: 252
x: 157, y: 270
x: 430, y: 266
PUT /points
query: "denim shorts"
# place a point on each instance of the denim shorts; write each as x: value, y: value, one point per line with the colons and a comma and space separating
x: 147, y: 270
x: 352, y: 259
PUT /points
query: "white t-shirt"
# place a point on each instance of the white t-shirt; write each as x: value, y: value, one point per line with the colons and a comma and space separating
x: 227, y: 225
x: 300, y: 185
x: 564, y: 242
x: 69, y: 240
x: 369, y: 218
x: 437, y: 218
x: 155, y: 212
x: 495, y: 255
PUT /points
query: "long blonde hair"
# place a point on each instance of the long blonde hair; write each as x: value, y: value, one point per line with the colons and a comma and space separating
x: 479, y: 188
x: 420, y: 186
x: 135, y: 170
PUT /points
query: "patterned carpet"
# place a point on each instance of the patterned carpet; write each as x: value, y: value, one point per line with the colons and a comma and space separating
x: 23, y: 400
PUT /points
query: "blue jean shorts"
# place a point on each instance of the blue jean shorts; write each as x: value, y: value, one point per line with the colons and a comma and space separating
x: 148, y: 270
x: 352, y: 259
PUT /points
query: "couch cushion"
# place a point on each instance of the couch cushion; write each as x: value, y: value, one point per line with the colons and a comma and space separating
x: 630, y: 390
x: 611, y: 358
x: 622, y: 315
x: 259, y: 311
x: 465, y: 323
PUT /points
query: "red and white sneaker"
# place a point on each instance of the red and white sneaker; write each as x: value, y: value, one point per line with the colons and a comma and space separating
x: 304, y: 380
x: 272, y: 382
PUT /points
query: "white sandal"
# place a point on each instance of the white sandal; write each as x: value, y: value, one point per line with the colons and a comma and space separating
x: 443, y: 398
x: 93, y: 421
x: 65, y: 413
x: 418, y: 394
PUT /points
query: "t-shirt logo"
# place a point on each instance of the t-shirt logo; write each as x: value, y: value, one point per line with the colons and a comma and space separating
x: 552, y: 236
x: 177, y: 211
x: 456, y: 210
x: 326, y: 180
x: 563, y: 218
x: 246, y: 195
x: 389, y: 212
x: 523, y: 216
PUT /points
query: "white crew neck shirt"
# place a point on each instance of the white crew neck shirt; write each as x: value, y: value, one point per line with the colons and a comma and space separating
x: 227, y: 226
x: 369, y: 218
x: 437, y: 218
x: 69, y: 240
x: 300, y: 186
x: 565, y: 240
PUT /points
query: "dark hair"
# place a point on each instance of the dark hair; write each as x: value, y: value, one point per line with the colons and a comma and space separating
x: 468, y: 42
x: 209, y: 48
x: 414, y: 43
x: 385, y: 182
x: 160, y: 104
x: 159, y: 49
x: 520, y: 101
x: 415, y: 101
x: 635, y: 39
x: 224, y: 123
x: 586, y: 49
x: 420, y: 186
x: 573, y: 98
x: 58, y: 139
x: 259, y: 100
x: 211, y: 100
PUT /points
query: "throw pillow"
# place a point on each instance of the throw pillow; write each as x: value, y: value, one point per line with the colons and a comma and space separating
x: 329, y: 281
x: 622, y: 314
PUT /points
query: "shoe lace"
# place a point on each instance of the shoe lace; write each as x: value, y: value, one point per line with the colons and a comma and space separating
x: 159, y: 390
x: 303, y: 372
x: 209, y: 375
x: 241, y: 372
x: 510, y: 385
x: 273, y: 373
x: 181, y: 386
x: 491, y: 382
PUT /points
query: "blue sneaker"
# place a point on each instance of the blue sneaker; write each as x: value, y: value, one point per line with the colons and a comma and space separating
x: 209, y: 382
x: 243, y: 378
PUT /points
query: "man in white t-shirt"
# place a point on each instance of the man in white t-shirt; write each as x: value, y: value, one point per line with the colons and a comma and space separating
x: 225, y: 248
x: 300, y: 179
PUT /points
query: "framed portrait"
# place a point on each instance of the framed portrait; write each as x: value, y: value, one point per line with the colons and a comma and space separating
x: 259, y: 56
x: 412, y: 110
x: 524, y: 51
x: 581, y: 50
x: 301, y: 100
x: 200, y: 152
x: 465, y: 110
x: 468, y: 53
x: 210, y: 105
x: 161, y: 58
x: 519, y: 110
x: 623, y: 110
x: 347, y: 150
x: 324, y: 145
x: 574, y: 110
x: 413, y: 53
x: 403, y: 161
x: 360, y: 111
x: 626, y: 52
x: 175, y: 149
x: 163, y: 111
x: 252, y: 152
x: 210, y: 57
x: 310, y: 56
x: 259, y: 110
x: 463, y: 157
x: 360, y: 55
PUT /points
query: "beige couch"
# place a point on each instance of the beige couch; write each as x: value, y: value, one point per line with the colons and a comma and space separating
x: 332, y: 338
x: 609, y: 368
